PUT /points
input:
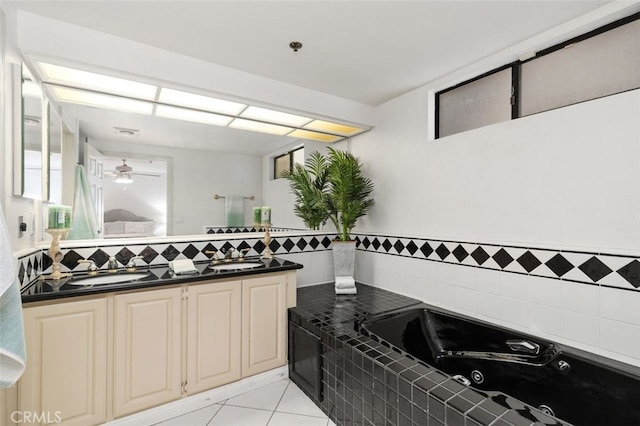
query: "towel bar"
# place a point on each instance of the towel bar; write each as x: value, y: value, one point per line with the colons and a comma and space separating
x: 216, y: 196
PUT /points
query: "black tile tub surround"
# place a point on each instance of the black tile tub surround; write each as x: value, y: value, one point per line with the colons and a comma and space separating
x: 366, y: 382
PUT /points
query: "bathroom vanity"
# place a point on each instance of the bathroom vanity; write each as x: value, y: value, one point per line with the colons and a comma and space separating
x: 102, y: 351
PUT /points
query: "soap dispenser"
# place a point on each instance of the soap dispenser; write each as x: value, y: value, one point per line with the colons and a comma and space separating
x: 112, y: 266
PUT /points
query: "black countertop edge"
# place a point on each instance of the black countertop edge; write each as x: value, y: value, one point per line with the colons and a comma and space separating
x: 159, y: 276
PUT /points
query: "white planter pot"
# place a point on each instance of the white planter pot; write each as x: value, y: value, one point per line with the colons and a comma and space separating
x: 344, y: 256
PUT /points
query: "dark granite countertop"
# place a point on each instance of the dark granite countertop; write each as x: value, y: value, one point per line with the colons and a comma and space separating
x: 158, y: 276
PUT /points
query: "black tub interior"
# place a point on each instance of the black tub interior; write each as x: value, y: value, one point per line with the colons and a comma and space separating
x: 571, y: 385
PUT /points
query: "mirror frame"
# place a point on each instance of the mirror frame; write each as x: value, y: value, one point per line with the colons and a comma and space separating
x: 18, y: 131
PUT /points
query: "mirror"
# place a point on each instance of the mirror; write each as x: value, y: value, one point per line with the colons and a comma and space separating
x: 33, y: 136
x: 55, y: 156
x: 195, y: 162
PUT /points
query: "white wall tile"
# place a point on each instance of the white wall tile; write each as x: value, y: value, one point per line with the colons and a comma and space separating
x: 514, y: 286
x: 466, y: 300
x: 581, y: 298
x: 514, y: 312
x: 488, y: 281
x: 544, y: 291
x: 620, y: 337
x: 620, y: 305
x: 581, y: 328
x: 545, y: 319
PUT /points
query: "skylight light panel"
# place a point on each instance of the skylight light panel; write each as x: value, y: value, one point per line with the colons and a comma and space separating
x: 272, y: 116
x: 191, y: 115
x: 97, y: 82
x: 206, y: 103
x: 101, y: 100
x: 330, y: 127
x: 258, y: 126
x: 316, y: 136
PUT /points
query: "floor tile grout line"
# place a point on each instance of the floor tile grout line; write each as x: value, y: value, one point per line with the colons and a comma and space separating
x: 279, y: 401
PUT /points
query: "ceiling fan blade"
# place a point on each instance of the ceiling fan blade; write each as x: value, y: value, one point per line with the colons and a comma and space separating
x: 144, y: 174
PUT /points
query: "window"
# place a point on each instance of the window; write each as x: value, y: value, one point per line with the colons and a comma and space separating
x: 476, y: 103
x: 603, y: 62
x: 286, y: 161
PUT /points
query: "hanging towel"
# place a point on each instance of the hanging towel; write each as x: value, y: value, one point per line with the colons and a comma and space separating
x: 12, y: 345
x: 83, y: 223
x: 234, y: 207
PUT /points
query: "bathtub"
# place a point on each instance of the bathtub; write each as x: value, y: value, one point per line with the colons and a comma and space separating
x: 574, y: 386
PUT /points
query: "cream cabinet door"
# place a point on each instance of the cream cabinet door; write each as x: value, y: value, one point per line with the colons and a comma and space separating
x: 147, y: 349
x: 264, y: 318
x: 214, y: 330
x: 65, y: 378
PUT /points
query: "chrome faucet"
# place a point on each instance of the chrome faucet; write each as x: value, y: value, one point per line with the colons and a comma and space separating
x: 228, y: 255
x: 92, y: 269
x: 112, y: 265
x: 214, y: 257
x: 131, y: 264
x: 242, y: 253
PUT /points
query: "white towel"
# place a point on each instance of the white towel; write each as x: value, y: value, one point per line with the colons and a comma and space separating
x: 12, y: 346
x: 234, y: 209
x: 346, y: 290
x: 345, y: 285
x: 345, y: 282
x: 183, y: 267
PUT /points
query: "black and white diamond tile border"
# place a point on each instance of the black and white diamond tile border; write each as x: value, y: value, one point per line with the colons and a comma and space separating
x: 240, y: 229
x: 608, y: 270
x: 156, y: 254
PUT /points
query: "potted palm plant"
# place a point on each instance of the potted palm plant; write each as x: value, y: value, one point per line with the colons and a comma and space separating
x: 309, y: 183
x: 348, y: 198
x: 334, y: 188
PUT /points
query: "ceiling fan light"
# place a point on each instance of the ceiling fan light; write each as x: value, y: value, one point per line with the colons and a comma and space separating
x: 123, y: 178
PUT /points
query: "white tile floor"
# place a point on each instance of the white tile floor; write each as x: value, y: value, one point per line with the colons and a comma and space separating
x: 278, y: 404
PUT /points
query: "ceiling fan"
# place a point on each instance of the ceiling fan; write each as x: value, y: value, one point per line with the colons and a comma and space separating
x: 124, y: 173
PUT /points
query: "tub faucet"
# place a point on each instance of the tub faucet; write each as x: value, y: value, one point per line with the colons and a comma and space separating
x: 523, y: 346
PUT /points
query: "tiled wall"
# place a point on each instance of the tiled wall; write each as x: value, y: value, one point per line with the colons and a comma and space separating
x: 586, y: 299
x: 310, y: 250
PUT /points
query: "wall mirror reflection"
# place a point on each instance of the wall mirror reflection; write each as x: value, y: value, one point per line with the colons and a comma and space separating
x: 198, y: 145
x: 33, y: 174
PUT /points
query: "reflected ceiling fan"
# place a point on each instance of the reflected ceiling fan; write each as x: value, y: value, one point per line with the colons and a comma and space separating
x: 124, y: 173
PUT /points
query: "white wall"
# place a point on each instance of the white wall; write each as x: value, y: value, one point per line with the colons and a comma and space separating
x: 566, y: 177
x: 563, y: 179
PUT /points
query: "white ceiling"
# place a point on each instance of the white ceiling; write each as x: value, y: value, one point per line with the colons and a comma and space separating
x: 367, y: 51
